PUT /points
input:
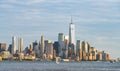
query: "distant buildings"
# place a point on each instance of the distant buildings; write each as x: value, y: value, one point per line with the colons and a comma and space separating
x: 36, y: 49
x: 2, y: 47
x: 42, y: 46
x: 10, y: 48
x: 61, y: 41
x: 13, y: 45
x: 66, y: 48
x: 49, y: 50
x: 20, y: 45
x: 72, y: 40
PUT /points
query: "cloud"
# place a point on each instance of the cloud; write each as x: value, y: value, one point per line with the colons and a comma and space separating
x: 6, y: 6
x: 22, y: 2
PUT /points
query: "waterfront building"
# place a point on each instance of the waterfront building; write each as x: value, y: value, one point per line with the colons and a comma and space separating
x: 49, y: 50
x: 2, y: 47
x: 84, y: 56
x: 81, y: 55
x: 10, y: 48
x: 45, y: 43
x: 85, y: 46
x: 65, y: 49
x: 31, y: 52
x: 99, y: 56
x: 20, y: 45
x: 6, y: 55
x: 13, y: 45
x: 36, y: 49
x: 104, y: 56
x: 66, y: 46
x: 54, y: 53
x: 90, y: 57
x: 93, y: 51
x: 61, y: 41
x: 42, y: 45
x: 56, y: 47
x: 72, y: 36
x: 108, y: 57
x: 78, y: 48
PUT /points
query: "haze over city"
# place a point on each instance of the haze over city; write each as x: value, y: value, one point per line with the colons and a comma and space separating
x: 96, y: 21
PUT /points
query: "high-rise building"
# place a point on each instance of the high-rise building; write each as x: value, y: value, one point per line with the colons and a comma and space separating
x: 36, y: 49
x: 49, y: 50
x: 42, y: 45
x: 72, y: 35
x: 79, y: 49
x: 56, y: 47
x: 13, y: 45
x: 94, y: 52
x: 61, y: 37
x: 10, y: 48
x: 2, y: 47
x: 65, y: 50
x: 20, y: 45
x: 61, y: 41
x: 99, y: 56
x: 85, y: 46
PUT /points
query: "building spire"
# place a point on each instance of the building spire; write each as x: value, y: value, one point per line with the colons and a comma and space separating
x: 71, y: 20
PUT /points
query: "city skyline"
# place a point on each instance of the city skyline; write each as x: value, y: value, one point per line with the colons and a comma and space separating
x: 96, y: 21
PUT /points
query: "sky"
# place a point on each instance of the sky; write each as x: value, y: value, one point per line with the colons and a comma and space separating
x: 96, y: 21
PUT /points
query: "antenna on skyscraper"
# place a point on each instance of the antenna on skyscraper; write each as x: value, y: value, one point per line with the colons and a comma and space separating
x: 71, y: 20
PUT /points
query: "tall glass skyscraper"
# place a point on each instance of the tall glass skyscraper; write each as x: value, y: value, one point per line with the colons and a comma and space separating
x: 42, y: 45
x: 20, y: 44
x: 72, y: 35
x: 13, y: 45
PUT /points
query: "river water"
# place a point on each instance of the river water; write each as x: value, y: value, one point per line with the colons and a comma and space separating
x: 62, y: 66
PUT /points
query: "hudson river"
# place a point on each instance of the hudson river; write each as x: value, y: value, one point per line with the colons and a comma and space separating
x: 62, y: 66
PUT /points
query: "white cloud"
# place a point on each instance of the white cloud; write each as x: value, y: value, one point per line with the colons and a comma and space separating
x: 6, y: 6
x: 22, y: 2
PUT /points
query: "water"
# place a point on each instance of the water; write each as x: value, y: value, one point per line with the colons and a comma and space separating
x: 62, y: 66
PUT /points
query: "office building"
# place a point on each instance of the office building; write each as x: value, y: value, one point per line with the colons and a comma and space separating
x: 61, y: 41
x: 36, y: 49
x: 20, y: 45
x: 56, y: 47
x: 85, y: 46
x: 10, y: 48
x: 45, y: 43
x: 99, y: 56
x: 42, y: 45
x: 13, y: 45
x: 72, y: 35
x: 2, y: 47
x: 49, y: 50
x: 79, y: 49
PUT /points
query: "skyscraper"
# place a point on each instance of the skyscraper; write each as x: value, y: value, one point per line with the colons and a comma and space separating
x: 85, y: 46
x: 36, y: 49
x: 49, y: 50
x: 42, y: 45
x: 13, y: 45
x: 79, y: 49
x: 20, y: 45
x: 61, y: 41
x: 72, y: 35
x: 2, y: 47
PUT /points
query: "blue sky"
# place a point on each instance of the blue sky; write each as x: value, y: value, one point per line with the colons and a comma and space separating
x: 97, y: 21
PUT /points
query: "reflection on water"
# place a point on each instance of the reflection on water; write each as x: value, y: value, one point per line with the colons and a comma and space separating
x: 52, y: 66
